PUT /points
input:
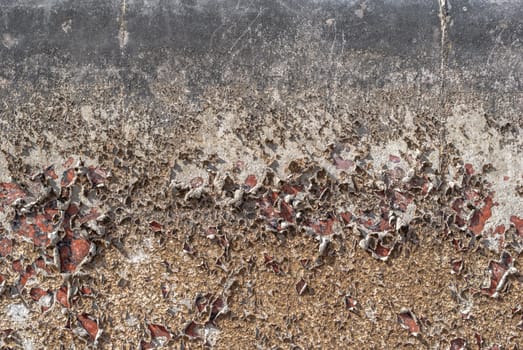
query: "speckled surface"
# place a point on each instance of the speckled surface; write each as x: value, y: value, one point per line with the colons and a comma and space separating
x: 261, y: 174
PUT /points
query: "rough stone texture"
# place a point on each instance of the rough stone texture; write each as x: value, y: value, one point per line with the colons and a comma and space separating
x: 260, y: 124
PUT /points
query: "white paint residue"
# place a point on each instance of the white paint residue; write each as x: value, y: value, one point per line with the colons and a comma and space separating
x: 380, y: 154
x: 4, y: 169
x: 67, y: 26
x: 18, y: 313
x: 138, y: 257
x: 211, y: 335
x: 27, y: 344
x: 480, y: 145
x: 8, y: 40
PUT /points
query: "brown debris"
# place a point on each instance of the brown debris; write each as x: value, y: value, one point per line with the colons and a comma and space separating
x: 301, y: 287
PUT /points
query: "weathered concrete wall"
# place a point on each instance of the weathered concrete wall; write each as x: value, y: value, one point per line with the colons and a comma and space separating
x: 189, y: 99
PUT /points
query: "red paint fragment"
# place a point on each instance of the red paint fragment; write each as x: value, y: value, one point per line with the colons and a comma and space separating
x: 251, y: 181
x: 480, y: 217
x: 408, y: 321
x: 68, y: 177
x: 89, y: 323
x: 72, y: 252
x: 158, y: 331
x: 499, y: 272
x: 382, y: 251
x: 518, y: 224
x: 351, y: 304
x: 50, y: 173
x: 469, y: 169
x: 41, y: 264
x: 68, y: 162
x: 346, y: 217
x: 286, y: 212
x: 37, y: 293
x: 146, y: 345
x: 271, y: 263
x: 26, y: 276
x: 61, y: 296
x: 479, y: 340
x: 425, y: 188
x: 93, y: 214
x: 457, y: 266
x: 291, y: 189
x: 6, y: 246
x: 156, y: 226
x: 394, y: 159
x: 35, y: 227
x: 217, y: 308
x: 343, y: 164
x: 323, y: 227
x: 196, y: 182
x: 193, y: 330
x: 86, y: 291
x: 500, y: 229
x: 301, y: 287
x: 10, y: 192
x: 96, y: 176
x: 458, y: 344
x: 17, y: 266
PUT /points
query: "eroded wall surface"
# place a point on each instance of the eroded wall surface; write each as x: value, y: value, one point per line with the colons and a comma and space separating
x: 261, y: 174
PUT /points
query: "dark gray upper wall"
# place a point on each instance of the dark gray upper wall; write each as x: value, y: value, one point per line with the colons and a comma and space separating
x: 348, y: 43
x: 213, y: 35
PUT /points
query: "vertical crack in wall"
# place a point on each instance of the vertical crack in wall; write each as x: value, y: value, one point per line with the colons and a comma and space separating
x: 123, y: 35
x: 444, y: 17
